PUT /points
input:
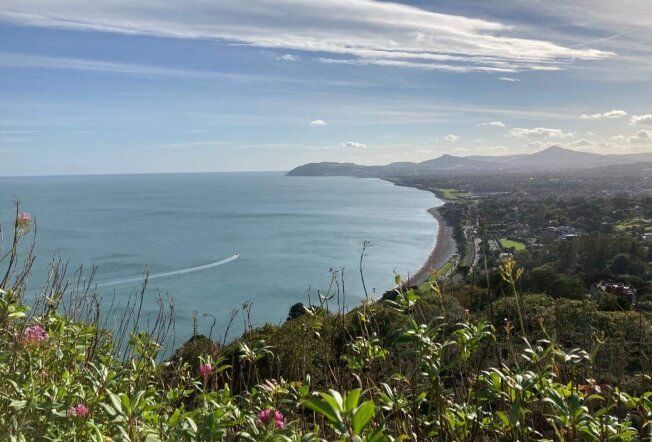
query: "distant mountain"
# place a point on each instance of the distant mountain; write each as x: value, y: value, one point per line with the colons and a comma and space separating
x: 547, y: 160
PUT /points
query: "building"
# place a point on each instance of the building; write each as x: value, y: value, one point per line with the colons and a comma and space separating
x: 504, y: 256
x: 566, y: 232
x: 618, y: 289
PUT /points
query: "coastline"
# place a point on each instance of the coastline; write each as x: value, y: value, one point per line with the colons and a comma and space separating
x: 445, y: 245
x: 443, y: 250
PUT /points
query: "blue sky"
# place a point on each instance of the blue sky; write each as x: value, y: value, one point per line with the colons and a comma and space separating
x: 111, y: 86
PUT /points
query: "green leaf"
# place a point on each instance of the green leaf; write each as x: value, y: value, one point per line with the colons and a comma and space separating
x: 172, y: 421
x: 503, y: 417
x: 351, y: 400
x: 363, y: 416
x: 115, y: 400
x: 109, y: 409
x: 18, y: 405
x: 17, y: 314
x: 323, y: 408
x: 126, y: 406
x: 192, y: 424
x: 335, y: 396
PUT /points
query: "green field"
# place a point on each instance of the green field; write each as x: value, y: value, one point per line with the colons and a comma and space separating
x: 509, y: 243
x: 635, y: 223
x: 452, y: 194
x: 447, y: 267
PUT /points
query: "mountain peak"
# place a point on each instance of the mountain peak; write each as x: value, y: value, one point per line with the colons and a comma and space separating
x: 556, y: 148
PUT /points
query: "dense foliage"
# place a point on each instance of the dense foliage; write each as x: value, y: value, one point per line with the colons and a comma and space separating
x: 62, y: 380
x: 428, y: 363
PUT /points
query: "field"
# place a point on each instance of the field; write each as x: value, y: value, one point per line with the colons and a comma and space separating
x: 446, y: 268
x: 451, y: 194
x: 635, y: 223
x: 509, y: 243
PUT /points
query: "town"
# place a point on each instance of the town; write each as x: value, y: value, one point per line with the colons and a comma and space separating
x: 579, y: 236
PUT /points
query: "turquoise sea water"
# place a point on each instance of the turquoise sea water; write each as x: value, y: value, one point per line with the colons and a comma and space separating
x: 288, y: 232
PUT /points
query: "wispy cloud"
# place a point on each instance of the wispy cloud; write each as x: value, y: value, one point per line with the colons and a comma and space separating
x: 360, y: 31
x: 493, y: 124
x: 418, y: 65
x: 538, y: 133
x: 318, y: 123
x: 20, y: 60
x: 17, y: 131
x: 451, y: 138
x: 613, y: 114
x: 509, y: 79
x: 287, y: 57
x: 17, y: 60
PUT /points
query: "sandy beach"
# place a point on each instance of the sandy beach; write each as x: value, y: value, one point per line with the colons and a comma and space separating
x: 442, y: 251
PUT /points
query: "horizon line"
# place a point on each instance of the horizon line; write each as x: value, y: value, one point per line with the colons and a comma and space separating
x: 207, y: 172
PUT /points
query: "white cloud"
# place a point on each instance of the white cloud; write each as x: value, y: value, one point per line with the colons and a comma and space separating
x: 354, y: 145
x: 540, y: 145
x: 451, y: 138
x: 493, y: 124
x: 641, y: 137
x: 288, y: 57
x: 372, y: 32
x: 418, y: 65
x: 580, y: 143
x: 613, y: 114
x: 538, y: 133
x: 318, y: 123
x: 509, y: 79
x: 641, y: 120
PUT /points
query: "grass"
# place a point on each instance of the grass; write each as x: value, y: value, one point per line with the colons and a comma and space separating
x: 446, y: 268
x: 506, y: 243
x: 452, y: 194
x: 635, y: 223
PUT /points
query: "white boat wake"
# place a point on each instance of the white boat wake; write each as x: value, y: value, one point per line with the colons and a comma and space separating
x: 172, y: 273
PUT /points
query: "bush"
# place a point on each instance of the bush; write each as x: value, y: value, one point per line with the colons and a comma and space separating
x: 417, y: 367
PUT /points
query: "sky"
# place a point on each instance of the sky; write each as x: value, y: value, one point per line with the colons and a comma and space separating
x: 116, y: 86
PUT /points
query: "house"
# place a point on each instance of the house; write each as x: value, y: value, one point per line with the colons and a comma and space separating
x: 567, y: 232
x: 618, y: 289
x: 504, y: 256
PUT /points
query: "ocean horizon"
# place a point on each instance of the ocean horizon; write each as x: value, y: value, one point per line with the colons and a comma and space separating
x: 213, y: 241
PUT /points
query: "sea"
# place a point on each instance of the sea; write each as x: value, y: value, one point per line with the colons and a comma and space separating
x: 212, y: 242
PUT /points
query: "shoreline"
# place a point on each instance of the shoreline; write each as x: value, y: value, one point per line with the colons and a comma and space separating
x: 444, y: 247
x: 443, y: 250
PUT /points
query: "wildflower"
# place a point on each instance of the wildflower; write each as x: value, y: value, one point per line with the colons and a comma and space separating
x: 268, y: 414
x: 24, y: 218
x: 34, y: 334
x: 79, y: 410
x: 205, y: 370
x: 279, y: 420
x: 23, y: 221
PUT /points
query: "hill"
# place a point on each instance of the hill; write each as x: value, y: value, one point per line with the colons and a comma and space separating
x: 548, y: 160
